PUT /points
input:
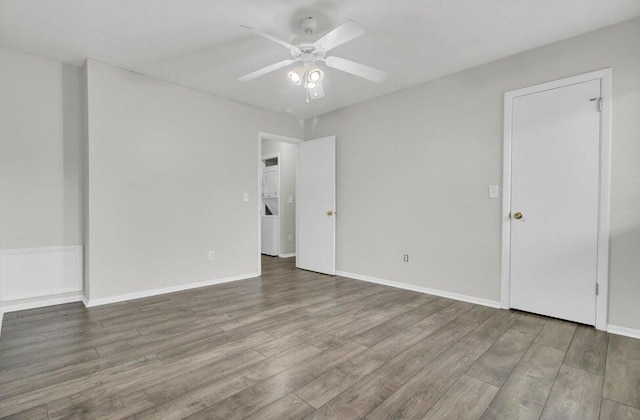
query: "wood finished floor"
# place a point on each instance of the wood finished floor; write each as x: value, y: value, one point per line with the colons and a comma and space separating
x: 295, y: 344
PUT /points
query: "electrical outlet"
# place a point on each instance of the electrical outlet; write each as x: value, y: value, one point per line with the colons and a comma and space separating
x: 290, y: 200
x: 405, y: 258
x: 245, y: 197
x: 290, y: 238
x: 212, y: 255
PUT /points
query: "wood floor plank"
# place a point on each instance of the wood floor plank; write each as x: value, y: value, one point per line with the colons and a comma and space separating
x: 19, y: 356
x: 289, y: 407
x: 588, y: 350
x: 556, y: 334
x: 497, y: 363
x: 465, y: 400
x: 177, y: 386
x: 227, y: 341
x: 622, y: 375
x: 36, y: 413
x: 612, y: 410
x: 525, y: 392
x: 83, y: 401
x: 416, y: 397
x: 258, y: 386
x: 327, y: 386
x: 445, y: 316
x: 358, y: 400
x: 576, y: 394
x: 406, y: 364
x: 530, y: 324
x: 256, y: 397
x: 56, y: 391
x: 206, y: 395
x: 396, y: 324
x: 362, y: 323
x: 43, y: 365
x: 496, y: 325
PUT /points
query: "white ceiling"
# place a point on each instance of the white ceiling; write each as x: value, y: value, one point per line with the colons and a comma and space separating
x: 197, y: 43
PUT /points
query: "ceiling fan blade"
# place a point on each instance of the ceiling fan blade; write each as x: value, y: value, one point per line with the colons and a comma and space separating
x: 266, y: 70
x: 357, y: 69
x: 343, y: 33
x: 271, y: 38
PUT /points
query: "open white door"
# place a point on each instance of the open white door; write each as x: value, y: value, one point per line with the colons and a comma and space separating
x: 315, y: 215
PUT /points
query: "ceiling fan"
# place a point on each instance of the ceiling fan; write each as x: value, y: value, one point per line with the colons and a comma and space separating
x: 308, y: 53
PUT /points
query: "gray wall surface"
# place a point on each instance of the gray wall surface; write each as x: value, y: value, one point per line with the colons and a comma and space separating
x: 167, y: 170
x: 414, y: 166
x: 40, y: 152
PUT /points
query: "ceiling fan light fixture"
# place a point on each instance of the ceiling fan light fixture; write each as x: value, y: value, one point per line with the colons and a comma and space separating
x: 315, y: 75
x: 297, y: 75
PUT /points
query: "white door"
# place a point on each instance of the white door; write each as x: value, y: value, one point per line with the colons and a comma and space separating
x: 315, y: 210
x: 554, y: 201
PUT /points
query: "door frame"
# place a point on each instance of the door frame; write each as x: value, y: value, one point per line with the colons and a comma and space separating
x: 602, y: 270
x: 263, y: 135
x: 262, y: 205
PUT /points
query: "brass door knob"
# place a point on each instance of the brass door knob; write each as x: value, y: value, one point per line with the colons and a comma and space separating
x: 517, y: 215
x: 330, y: 213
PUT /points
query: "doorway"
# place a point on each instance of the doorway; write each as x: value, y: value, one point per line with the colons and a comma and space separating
x: 277, y: 196
x: 556, y: 198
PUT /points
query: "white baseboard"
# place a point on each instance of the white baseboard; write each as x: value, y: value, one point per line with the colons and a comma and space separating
x: 1, y: 316
x: 414, y: 288
x: 39, y: 302
x: 88, y: 302
x: 627, y: 332
x: 287, y: 255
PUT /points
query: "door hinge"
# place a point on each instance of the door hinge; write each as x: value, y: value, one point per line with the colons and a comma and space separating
x: 597, y: 289
x: 598, y: 103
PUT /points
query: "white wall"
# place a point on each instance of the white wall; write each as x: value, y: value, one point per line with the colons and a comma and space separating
x: 288, y: 166
x: 40, y: 152
x: 167, y: 170
x: 40, y: 179
x: 414, y: 166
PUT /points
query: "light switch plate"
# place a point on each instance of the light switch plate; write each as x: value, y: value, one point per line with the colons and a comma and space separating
x: 493, y: 191
x: 245, y: 197
x: 290, y: 200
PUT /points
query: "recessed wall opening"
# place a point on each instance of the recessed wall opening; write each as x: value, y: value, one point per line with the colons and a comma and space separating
x: 277, y: 170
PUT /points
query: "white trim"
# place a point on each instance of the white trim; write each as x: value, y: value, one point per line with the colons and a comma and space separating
x: 263, y: 135
x: 154, y: 292
x: 602, y: 275
x: 627, y: 332
x: 1, y: 316
x: 39, y: 302
x: 414, y: 288
x: 38, y: 273
x: 287, y: 255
